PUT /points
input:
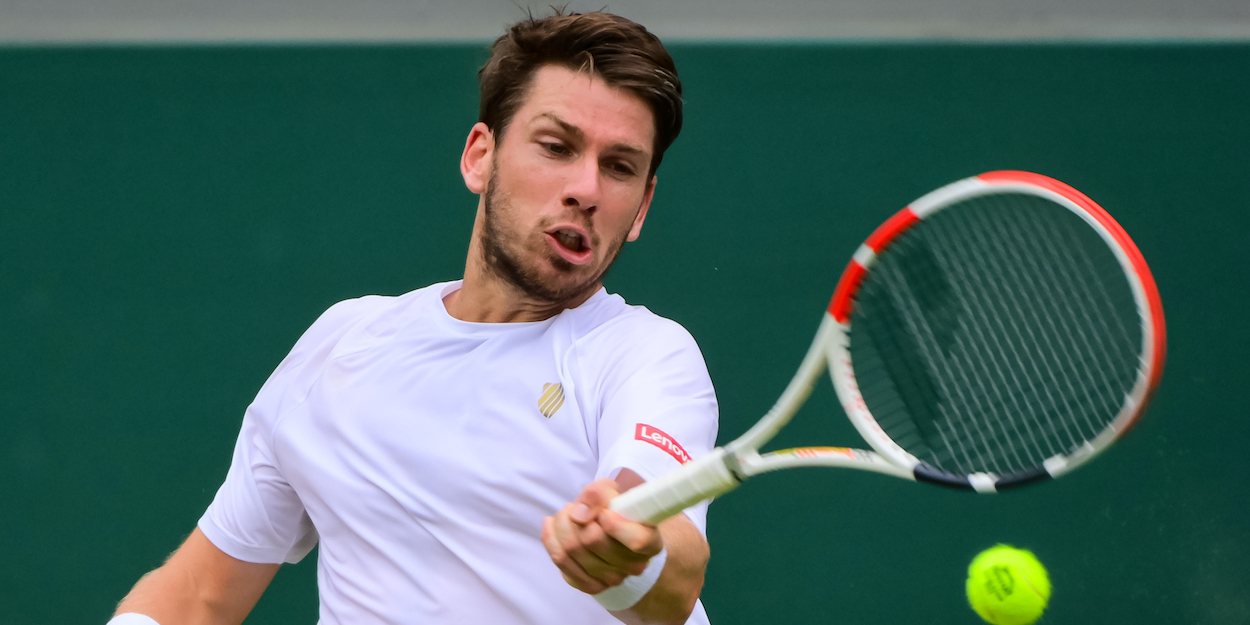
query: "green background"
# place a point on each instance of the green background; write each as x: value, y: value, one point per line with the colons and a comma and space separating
x: 172, y: 218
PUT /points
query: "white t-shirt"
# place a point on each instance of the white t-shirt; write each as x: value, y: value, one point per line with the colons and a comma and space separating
x: 424, y: 451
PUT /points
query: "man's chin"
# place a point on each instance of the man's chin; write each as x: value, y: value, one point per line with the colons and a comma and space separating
x: 562, y: 287
x: 549, y: 279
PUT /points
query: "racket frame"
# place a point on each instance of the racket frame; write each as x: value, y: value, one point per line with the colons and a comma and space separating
x: 726, y: 467
x: 1141, y: 283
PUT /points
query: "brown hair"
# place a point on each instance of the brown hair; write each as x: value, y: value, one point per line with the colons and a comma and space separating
x: 621, y: 52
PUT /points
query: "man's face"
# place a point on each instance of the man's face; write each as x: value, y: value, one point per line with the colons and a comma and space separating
x: 568, y: 185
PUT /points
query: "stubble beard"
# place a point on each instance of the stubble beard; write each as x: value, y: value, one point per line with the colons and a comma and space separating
x: 506, y: 256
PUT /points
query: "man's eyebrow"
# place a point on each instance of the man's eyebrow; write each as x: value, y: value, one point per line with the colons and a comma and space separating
x: 564, y: 125
x: 576, y: 132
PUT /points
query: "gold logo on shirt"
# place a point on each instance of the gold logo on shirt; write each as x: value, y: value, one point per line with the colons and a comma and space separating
x: 551, y: 400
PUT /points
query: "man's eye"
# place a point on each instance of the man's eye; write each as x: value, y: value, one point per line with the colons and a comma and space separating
x: 622, y: 169
x: 556, y: 148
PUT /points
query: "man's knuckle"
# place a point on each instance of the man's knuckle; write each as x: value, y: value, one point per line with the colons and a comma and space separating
x: 570, y: 543
x: 638, y: 544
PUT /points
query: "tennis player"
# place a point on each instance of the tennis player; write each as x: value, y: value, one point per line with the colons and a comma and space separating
x: 453, y: 450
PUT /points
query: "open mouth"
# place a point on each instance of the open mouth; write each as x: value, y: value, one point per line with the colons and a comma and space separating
x: 571, y: 245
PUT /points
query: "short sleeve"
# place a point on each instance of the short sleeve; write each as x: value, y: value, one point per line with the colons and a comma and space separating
x: 257, y: 516
x: 659, y: 409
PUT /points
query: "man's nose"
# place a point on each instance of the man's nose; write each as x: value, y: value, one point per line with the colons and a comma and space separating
x: 583, y: 186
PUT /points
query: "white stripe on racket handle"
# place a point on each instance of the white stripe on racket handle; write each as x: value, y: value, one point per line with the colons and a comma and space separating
x: 700, y: 479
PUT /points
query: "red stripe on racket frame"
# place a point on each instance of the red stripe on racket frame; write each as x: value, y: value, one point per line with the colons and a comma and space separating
x: 848, y: 285
x: 844, y: 294
x: 890, y: 230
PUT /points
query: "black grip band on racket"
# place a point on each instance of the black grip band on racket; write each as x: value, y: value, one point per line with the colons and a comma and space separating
x: 930, y: 474
x: 1021, y: 478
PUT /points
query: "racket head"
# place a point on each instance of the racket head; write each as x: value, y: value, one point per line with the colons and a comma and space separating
x: 999, y: 331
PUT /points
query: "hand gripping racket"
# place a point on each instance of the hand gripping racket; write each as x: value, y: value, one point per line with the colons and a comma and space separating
x: 1000, y: 331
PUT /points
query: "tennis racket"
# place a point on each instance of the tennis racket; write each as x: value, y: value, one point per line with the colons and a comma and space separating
x: 998, y: 332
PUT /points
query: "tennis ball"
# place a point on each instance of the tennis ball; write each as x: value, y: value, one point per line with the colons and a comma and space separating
x: 1008, y: 586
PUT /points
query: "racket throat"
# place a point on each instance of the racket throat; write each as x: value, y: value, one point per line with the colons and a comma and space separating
x: 738, y: 458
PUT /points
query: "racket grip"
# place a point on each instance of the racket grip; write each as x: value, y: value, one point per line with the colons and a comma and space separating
x: 700, y: 479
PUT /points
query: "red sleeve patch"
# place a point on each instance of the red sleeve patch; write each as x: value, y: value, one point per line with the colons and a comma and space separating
x: 649, y: 434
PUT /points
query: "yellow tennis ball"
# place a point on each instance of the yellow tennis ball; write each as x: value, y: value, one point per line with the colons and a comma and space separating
x: 1008, y: 586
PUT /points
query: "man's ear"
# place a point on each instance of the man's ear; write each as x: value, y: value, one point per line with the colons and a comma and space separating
x: 475, y: 162
x: 642, y: 211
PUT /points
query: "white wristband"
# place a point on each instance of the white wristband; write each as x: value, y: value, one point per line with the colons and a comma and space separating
x: 133, y: 618
x: 634, y: 587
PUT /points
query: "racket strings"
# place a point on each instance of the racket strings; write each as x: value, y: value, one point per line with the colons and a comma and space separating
x: 1050, y: 331
x: 995, y: 334
x: 1049, y: 324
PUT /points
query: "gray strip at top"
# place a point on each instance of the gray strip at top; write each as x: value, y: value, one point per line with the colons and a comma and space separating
x: 72, y: 21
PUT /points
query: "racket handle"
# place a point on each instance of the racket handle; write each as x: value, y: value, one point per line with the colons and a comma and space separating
x: 693, y: 482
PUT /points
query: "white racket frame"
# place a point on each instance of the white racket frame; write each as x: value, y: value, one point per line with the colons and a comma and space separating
x: 726, y: 467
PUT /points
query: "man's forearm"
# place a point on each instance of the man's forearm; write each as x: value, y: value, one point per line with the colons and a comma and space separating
x: 199, y: 585
x: 167, y: 595
x: 673, y: 597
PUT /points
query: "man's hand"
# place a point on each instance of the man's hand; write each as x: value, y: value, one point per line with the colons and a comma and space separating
x: 594, y: 547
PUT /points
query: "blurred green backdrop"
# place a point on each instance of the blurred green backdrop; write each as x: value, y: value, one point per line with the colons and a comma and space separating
x: 172, y: 218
